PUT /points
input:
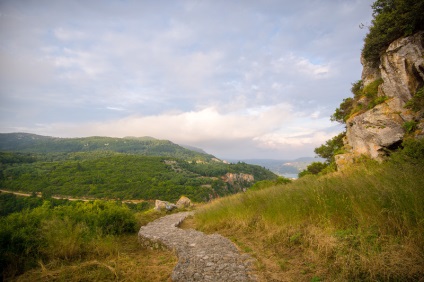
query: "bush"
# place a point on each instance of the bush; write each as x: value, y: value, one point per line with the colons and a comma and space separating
x: 412, y: 151
x: 410, y: 126
x: 392, y: 19
x: 313, y: 168
x: 351, y: 106
x: 61, y: 232
x: 343, y: 113
x: 417, y: 102
x: 269, y: 183
x: 331, y: 147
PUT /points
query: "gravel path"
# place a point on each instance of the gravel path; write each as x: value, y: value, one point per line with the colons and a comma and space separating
x: 200, y: 257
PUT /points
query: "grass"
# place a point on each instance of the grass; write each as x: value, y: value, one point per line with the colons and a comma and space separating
x: 127, y: 262
x: 362, y: 224
x: 69, y: 256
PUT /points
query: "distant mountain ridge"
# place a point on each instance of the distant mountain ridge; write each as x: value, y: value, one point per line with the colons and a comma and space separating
x: 148, y: 146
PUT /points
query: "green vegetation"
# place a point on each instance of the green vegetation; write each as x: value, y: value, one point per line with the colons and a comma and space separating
x: 313, y: 168
x: 365, y: 223
x: 77, y: 241
x: 327, y: 151
x: 331, y: 147
x: 365, y: 98
x: 417, y: 102
x: 112, y: 175
x: 65, y: 232
x: 147, y: 146
x: 10, y: 203
x: 116, y: 168
x: 392, y: 19
x: 410, y: 126
x: 269, y: 183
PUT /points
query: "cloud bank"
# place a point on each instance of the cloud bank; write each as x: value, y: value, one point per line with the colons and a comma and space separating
x: 240, y: 79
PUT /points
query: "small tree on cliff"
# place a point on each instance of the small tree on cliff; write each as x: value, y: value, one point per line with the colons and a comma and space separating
x: 327, y: 151
x: 331, y: 148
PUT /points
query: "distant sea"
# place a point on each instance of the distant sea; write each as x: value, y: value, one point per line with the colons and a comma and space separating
x: 290, y: 175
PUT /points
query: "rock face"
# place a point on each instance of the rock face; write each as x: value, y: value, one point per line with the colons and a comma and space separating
x: 163, y: 205
x: 183, y: 202
x: 234, y: 178
x: 381, y: 128
x: 402, y: 67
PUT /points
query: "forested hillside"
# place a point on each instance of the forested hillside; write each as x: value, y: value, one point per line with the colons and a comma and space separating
x: 148, y: 146
x: 36, y: 230
x: 146, y: 169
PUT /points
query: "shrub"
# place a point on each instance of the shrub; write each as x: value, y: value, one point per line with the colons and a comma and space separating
x: 410, y: 126
x: 61, y: 232
x: 417, y: 102
x: 343, y: 112
x: 269, y: 183
x: 351, y: 106
x: 331, y: 147
x: 412, y: 150
x: 392, y: 19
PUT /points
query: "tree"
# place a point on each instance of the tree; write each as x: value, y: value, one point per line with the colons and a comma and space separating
x: 392, y: 19
x: 343, y: 112
x: 313, y: 168
x: 331, y: 147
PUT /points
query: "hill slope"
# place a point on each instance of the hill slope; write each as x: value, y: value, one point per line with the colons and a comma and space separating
x: 365, y: 223
x: 118, y: 168
x: 148, y: 146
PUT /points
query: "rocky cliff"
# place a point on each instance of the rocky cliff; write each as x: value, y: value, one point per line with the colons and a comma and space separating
x: 377, y: 131
x: 238, y: 181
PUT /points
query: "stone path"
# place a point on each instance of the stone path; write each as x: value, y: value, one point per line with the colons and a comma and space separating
x: 201, y: 257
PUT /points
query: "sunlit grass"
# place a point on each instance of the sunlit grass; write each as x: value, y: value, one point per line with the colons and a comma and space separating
x: 128, y: 262
x: 366, y: 223
x: 42, y: 245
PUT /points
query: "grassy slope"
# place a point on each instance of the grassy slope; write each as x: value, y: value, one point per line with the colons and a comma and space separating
x: 70, y: 253
x: 125, y: 262
x: 366, y: 223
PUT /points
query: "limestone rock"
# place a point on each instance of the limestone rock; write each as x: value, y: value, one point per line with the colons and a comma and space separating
x: 369, y: 72
x: 183, y: 202
x: 402, y: 67
x: 234, y: 178
x: 164, y: 205
x: 380, y: 129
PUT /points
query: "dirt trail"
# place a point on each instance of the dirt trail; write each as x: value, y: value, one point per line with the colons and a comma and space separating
x: 201, y: 257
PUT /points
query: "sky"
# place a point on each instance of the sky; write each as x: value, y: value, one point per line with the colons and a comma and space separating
x: 239, y: 79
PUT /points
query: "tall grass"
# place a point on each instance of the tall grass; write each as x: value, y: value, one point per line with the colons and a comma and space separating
x: 365, y: 223
x: 85, y: 241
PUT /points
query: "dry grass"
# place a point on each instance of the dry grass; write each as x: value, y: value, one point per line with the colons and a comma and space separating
x: 129, y: 262
x: 105, y: 258
x: 366, y: 224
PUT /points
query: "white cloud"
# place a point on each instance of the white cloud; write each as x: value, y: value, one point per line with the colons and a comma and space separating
x: 235, y: 76
x: 68, y: 34
x: 294, y: 139
x: 294, y: 64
